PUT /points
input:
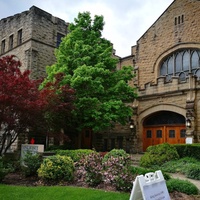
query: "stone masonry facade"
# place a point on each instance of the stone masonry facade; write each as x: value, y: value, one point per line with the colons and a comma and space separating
x: 32, y: 36
x: 177, y: 29
x: 162, y: 89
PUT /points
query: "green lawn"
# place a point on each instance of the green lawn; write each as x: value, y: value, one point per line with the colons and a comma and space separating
x: 8, y: 192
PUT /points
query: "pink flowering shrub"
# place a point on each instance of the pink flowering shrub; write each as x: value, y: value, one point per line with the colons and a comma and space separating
x: 117, y: 172
x: 90, y: 169
x: 114, y: 172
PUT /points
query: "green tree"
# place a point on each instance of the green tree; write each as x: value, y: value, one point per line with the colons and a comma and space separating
x: 89, y: 66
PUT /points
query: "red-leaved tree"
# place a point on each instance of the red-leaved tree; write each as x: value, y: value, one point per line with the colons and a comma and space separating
x: 23, y: 107
x: 57, y: 112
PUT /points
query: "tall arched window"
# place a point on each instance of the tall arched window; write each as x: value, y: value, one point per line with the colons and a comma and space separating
x: 180, y: 64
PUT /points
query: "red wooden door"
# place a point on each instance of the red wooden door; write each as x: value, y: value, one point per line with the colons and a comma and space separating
x: 86, y: 139
x: 160, y: 134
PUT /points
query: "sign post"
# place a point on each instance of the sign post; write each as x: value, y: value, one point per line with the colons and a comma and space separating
x: 152, y: 186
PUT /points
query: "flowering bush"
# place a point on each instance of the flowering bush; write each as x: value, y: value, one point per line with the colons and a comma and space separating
x: 113, y: 172
x: 117, y: 172
x: 57, y: 168
x: 90, y: 169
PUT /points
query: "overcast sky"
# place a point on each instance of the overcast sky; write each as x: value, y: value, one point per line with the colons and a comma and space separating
x: 125, y: 20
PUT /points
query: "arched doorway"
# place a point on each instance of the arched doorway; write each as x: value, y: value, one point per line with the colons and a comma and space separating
x: 163, y: 126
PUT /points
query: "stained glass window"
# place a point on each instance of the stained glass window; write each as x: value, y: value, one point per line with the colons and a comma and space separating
x: 180, y: 64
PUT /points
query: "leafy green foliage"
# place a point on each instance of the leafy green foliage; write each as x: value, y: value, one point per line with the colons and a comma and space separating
x: 188, y: 150
x: 193, y: 171
x: 57, y: 168
x: 183, y: 186
x: 158, y: 155
x: 31, y: 163
x: 179, y: 166
x: 3, y: 170
x: 76, y: 154
x: 87, y: 62
x: 58, y: 105
x: 115, y: 153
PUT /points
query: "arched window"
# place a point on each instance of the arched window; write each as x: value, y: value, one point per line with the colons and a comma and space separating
x: 180, y: 64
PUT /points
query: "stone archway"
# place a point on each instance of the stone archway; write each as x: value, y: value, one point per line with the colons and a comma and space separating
x: 154, y: 132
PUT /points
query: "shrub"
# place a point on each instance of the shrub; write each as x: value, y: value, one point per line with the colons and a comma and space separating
x: 188, y: 150
x: 143, y: 171
x: 31, y: 163
x: 118, y: 173
x: 57, y: 168
x: 181, y: 165
x: 183, y: 186
x: 115, y: 153
x: 158, y: 155
x: 75, y: 155
x: 3, y: 170
x: 193, y: 171
x: 91, y: 167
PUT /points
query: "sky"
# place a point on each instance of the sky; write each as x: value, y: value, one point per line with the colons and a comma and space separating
x: 125, y: 20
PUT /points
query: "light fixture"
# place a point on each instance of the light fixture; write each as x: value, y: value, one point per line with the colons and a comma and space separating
x: 131, y: 125
x: 188, y: 123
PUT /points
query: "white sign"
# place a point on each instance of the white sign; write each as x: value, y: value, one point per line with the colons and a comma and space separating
x: 189, y: 140
x: 31, y: 148
x: 152, y: 186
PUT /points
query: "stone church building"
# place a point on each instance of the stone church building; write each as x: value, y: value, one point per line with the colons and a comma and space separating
x: 167, y: 64
x: 166, y: 60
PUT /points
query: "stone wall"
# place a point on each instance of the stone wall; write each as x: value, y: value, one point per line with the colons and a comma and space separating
x: 164, y: 36
x: 39, y: 38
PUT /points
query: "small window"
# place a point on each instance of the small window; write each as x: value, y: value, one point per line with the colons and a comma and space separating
x: 182, y: 133
x: 19, y: 37
x: 112, y: 143
x: 87, y: 133
x: 105, y: 145
x: 59, y: 39
x: 175, y: 21
x: 120, y: 142
x: 149, y: 134
x: 159, y: 133
x: 11, y: 42
x: 171, y: 133
x: 3, y: 46
x: 182, y: 18
x: 179, y: 20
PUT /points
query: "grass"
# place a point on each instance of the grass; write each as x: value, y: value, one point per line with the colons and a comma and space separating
x: 8, y: 192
